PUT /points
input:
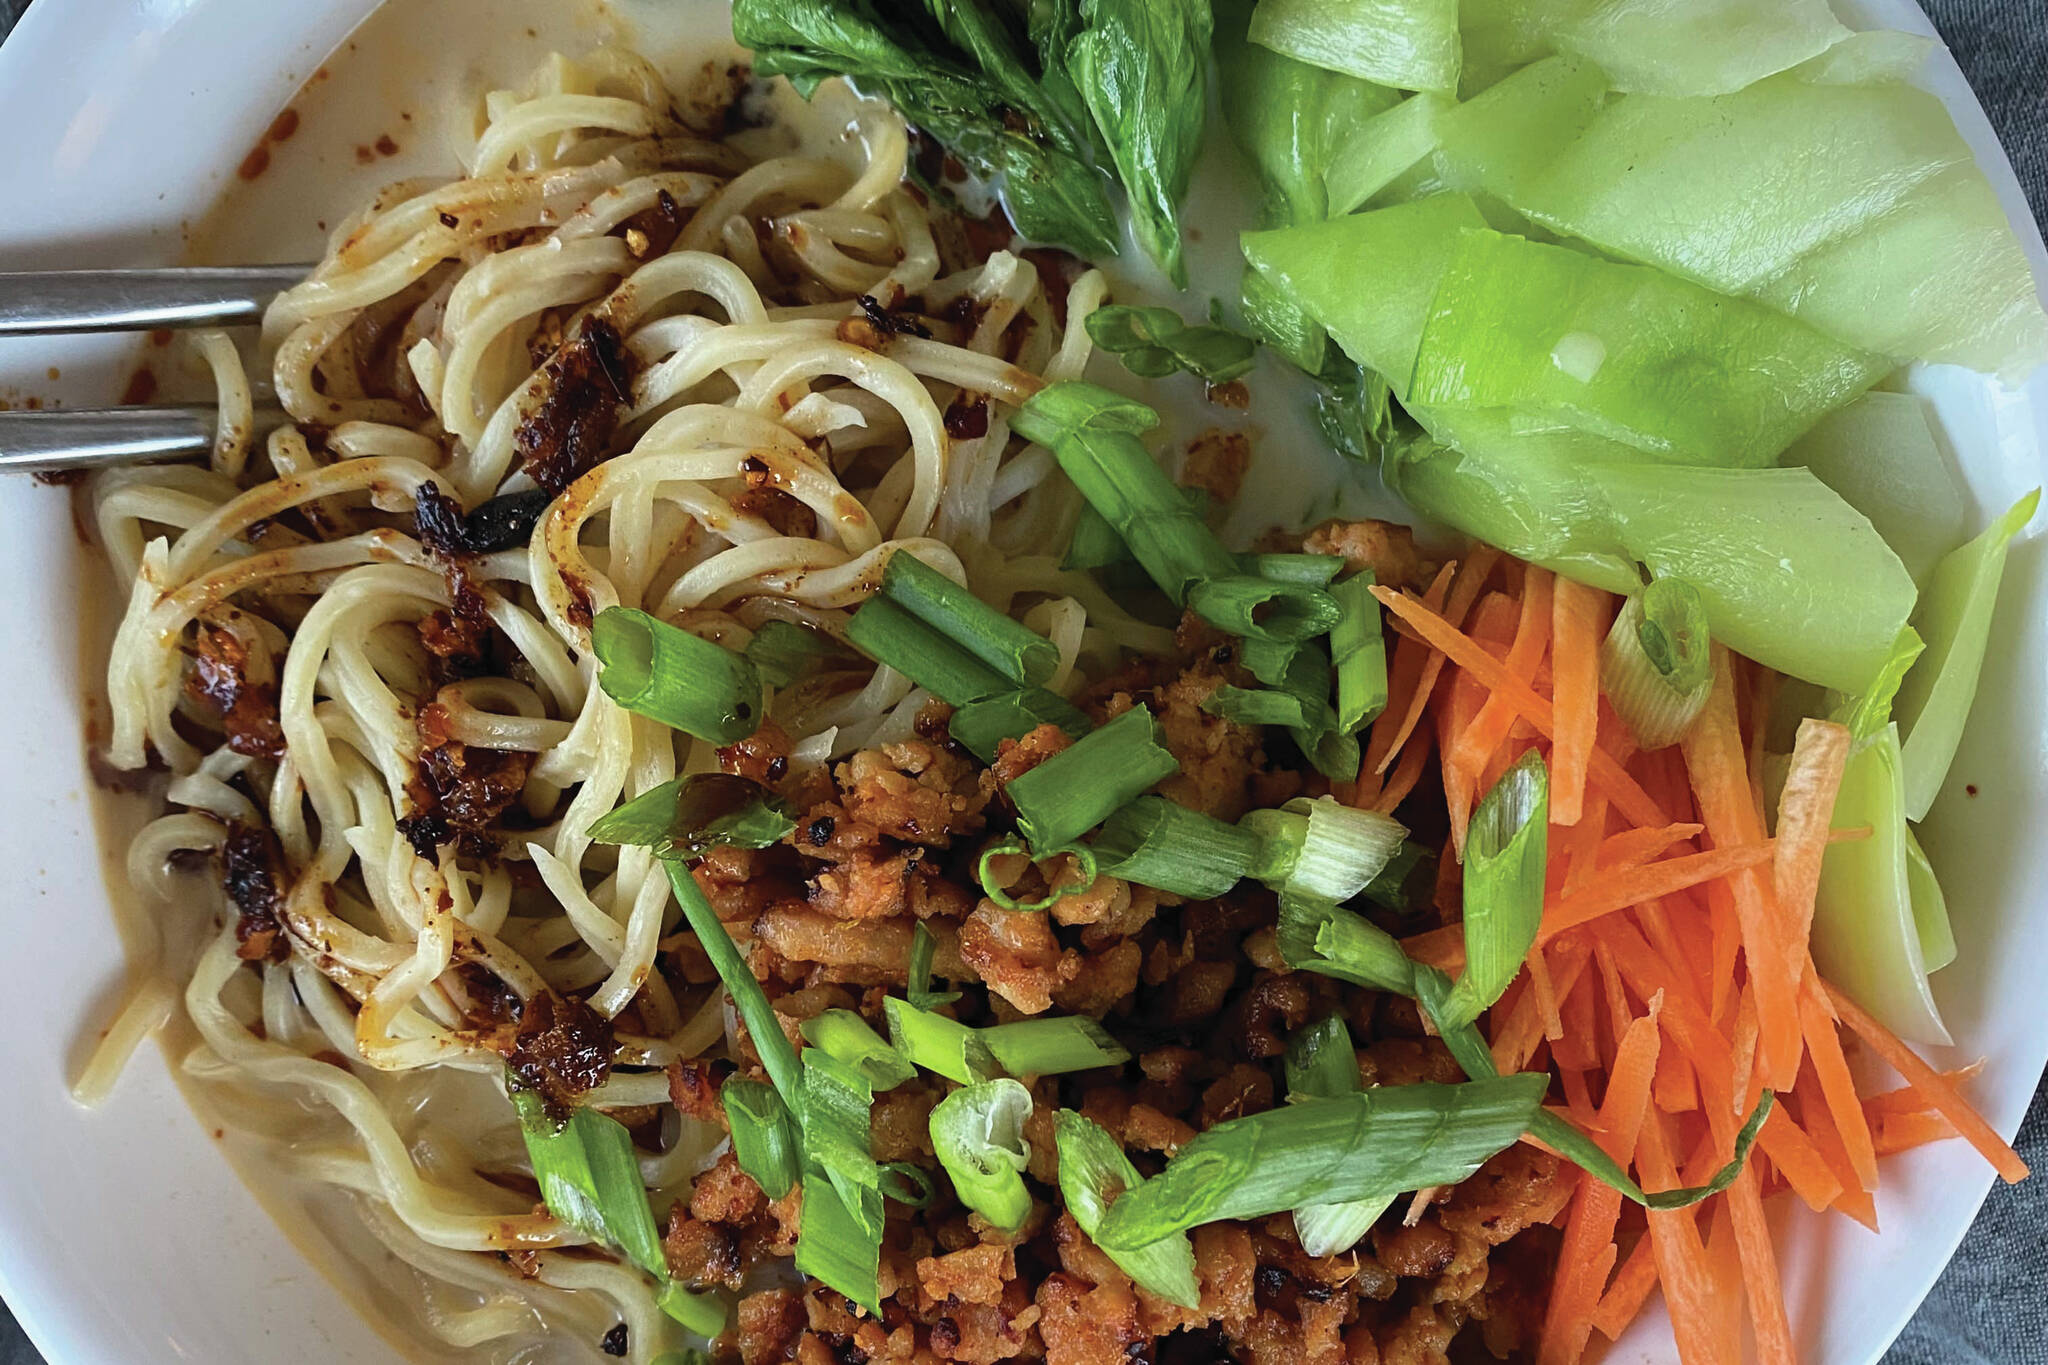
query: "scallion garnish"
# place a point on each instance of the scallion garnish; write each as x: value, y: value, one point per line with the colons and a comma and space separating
x: 1094, y: 435
x: 1322, y: 1064
x: 1270, y: 706
x: 657, y: 670
x: 1407, y: 883
x: 978, y: 1135
x: 841, y: 1244
x: 1053, y: 1046
x: 1094, y: 1172
x: 846, y: 1037
x: 1322, y: 849
x: 1358, y: 648
x: 1161, y: 844
x: 778, y: 1058
x: 836, y: 1104
x: 924, y: 946
x: 1316, y: 936
x: 908, y: 1185
x: 1276, y: 662
x: 688, y: 816
x: 782, y: 651
x: 1333, y: 753
x: 888, y: 634
x: 1263, y: 608
x: 1155, y: 342
x: 981, y: 726
x: 1656, y: 665
x: 1008, y: 646
x: 1315, y: 570
x: 1384, y: 1140
x: 764, y: 1140
x: 701, y: 1314
x: 1079, y: 787
x: 1506, y: 851
x: 936, y: 1043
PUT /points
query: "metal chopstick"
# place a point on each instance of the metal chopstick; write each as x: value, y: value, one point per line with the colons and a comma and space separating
x: 43, y: 302
x: 54, y: 442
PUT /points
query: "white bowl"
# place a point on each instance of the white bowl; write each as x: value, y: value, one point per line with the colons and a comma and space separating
x: 124, y: 1234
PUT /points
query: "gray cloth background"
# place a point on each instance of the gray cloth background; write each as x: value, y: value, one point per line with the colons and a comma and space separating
x: 1991, y: 1305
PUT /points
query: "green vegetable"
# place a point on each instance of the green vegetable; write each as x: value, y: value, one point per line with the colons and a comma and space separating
x: 1315, y: 571
x: 1629, y: 354
x: 1154, y: 342
x: 952, y: 610
x: 1506, y: 850
x: 1321, y: 1064
x: 1358, y: 648
x: 1143, y: 71
x: 836, y: 1103
x: 1356, y: 1147
x: 981, y: 726
x: 656, y: 670
x: 1408, y: 44
x: 703, y: 1314
x: 1316, y: 936
x: 1955, y: 620
x: 1930, y: 908
x: 1094, y: 435
x: 887, y: 633
x: 1262, y: 608
x: 686, y: 817
x: 1260, y: 706
x: 1656, y: 666
x: 1048, y: 1046
x: 764, y: 1140
x: 1407, y: 883
x: 907, y: 1184
x: 781, y: 652
x: 1077, y: 788
x: 1384, y: 148
x: 977, y: 103
x: 1703, y: 47
x: 840, y: 1243
x: 978, y: 1135
x: 1865, y: 938
x: 1158, y: 843
x: 584, y: 1164
x: 1093, y: 1172
x: 1321, y: 849
x: 1880, y: 454
x: 846, y: 1038
x: 937, y: 1043
x: 1867, y: 713
x: 749, y: 1001
x: 924, y: 945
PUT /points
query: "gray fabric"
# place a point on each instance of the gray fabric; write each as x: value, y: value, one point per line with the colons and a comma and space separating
x: 1991, y: 1304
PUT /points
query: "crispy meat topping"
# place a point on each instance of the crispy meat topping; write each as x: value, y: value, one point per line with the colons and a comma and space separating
x: 563, y: 1048
x: 251, y: 866
x: 583, y: 385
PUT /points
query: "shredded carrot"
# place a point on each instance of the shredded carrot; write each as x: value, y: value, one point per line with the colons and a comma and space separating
x: 1545, y: 991
x: 1490, y: 728
x: 1719, y: 768
x: 1515, y: 1046
x: 1946, y: 1099
x: 1760, y: 1272
x: 1815, y: 1121
x: 1461, y: 702
x: 1909, y: 1100
x: 1464, y: 592
x: 1838, y: 1087
x: 1805, y: 808
x: 1681, y: 1258
x: 1578, y: 618
x: 1724, y: 1263
x: 1903, y: 1132
x: 1622, y: 888
x: 1404, y: 676
x: 1468, y: 654
x: 1725, y: 944
x: 1624, y: 1300
x: 1413, y: 759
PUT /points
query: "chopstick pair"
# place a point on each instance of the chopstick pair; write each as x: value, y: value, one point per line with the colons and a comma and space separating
x: 61, y: 302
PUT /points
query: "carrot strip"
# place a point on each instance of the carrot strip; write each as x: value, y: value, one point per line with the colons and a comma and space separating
x: 1815, y: 1121
x: 1625, y: 1297
x: 1516, y: 1046
x: 1468, y: 654
x: 1490, y: 728
x: 1946, y: 1099
x: 1461, y: 702
x: 1404, y: 676
x: 1632, y: 886
x: 1545, y: 991
x: 1908, y: 1100
x: 1719, y: 767
x: 1903, y: 1132
x: 1838, y: 1087
x: 1681, y: 1258
x: 1724, y: 1263
x: 1464, y: 592
x: 1413, y: 759
x: 1725, y: 930
x: 1577, y: 621
x: 1573, y: 1048
x: 1799, y: 1161
x: 1677, y: 1092
x: 1760, y: 1272
x: 1635, y: 847
x: 1820, y: 754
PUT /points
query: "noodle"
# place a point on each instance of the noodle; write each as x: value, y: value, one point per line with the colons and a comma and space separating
x: 281, y: 655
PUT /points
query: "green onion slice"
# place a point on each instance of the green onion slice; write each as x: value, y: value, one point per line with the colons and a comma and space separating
x: 702, y: 1314
x: 782, y: 651
x: 1263, y: 608
x: 1506, y: 851
x: 936, y: 1043
x: 846, y: 1037
x: 1322, y: 849
x: 1407, y: 883
x: 924, y: 945
x: 1315, y: 570
x: 1084, y: 860
x: 1656, y: 665
x: 660, y: 671
x: 1161, y: 844
x: 1094, y: 1172
x: 888, y: 634
x: 978, y: 1134
x: 1079, y: 787
x: 778, y: 1058
x: 1333, y: 753
x: 764, y: 1140
x: 982, y: 726
x: 836, y: 1104
x: 1270, y: 706
x: 907, y: 1184
x: 687, y: 817
x: 1356, y: 1147
x: 1053, y: 1046
x: 840, y: 1244
x: 1322, y: 1064
x: 1008, y: 646
x: 589, y: 1176
x: 1276, y: 663
x: 1094, y: 435
x: 1358, y: 646
x: 1316, y: 936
